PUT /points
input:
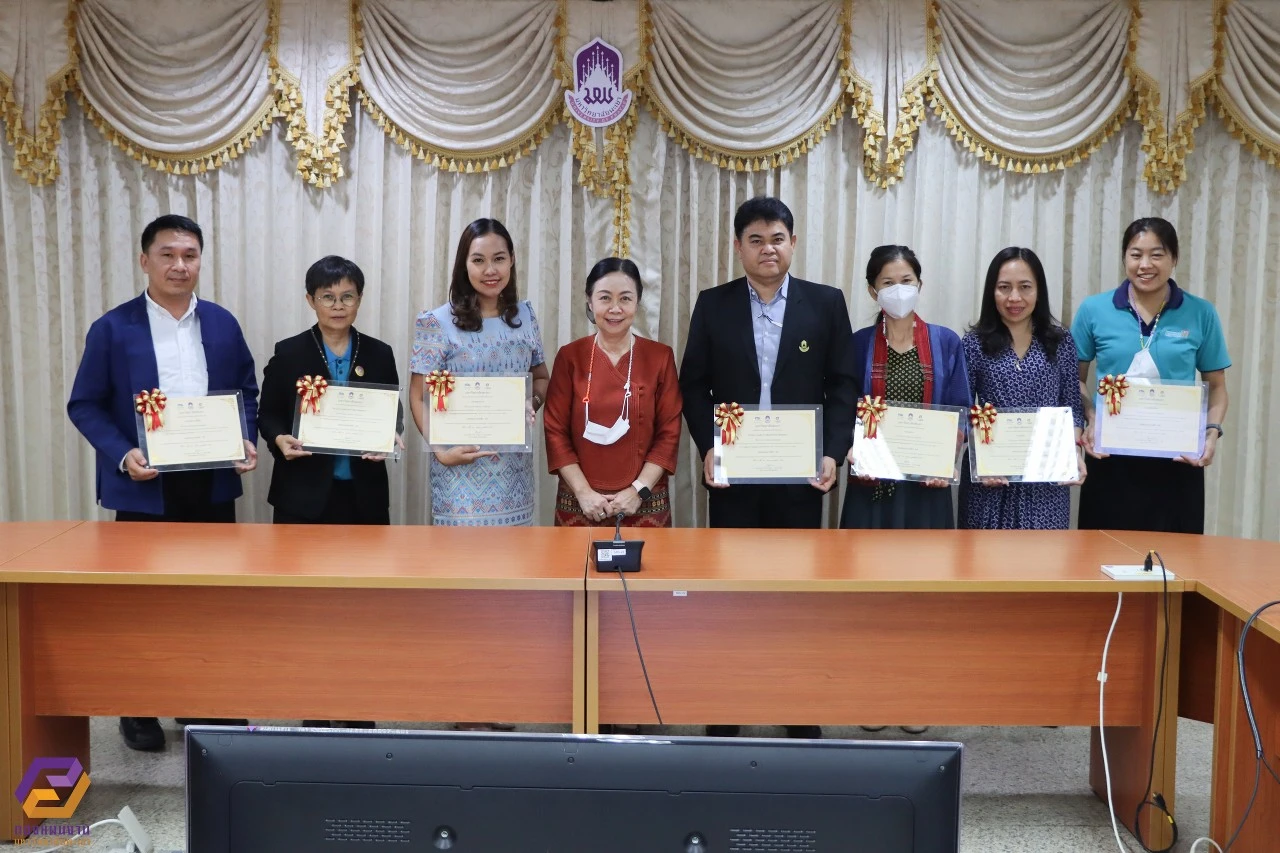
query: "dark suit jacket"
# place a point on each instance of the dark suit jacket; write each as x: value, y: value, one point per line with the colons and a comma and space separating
x: 720, y: 363
x: 119, y: 361
x: 301, y: 486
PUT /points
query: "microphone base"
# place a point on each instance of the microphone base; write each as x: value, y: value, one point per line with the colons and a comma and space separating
x: 610, y: 555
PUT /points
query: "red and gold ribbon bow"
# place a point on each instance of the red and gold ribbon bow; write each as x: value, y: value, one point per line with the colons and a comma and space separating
x: 729, y: 418
x: 983, y: 418
x: 150, y: 404
x: 871, y: 410
x: 440, y: 383
x: 1113, y: 388
x: 311, y: 389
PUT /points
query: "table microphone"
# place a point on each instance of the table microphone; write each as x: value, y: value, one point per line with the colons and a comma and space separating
x: 618, y: 554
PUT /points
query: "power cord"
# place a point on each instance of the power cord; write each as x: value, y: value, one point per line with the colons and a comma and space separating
x: 130, y: 847
x: 1156, y: 799
x: 636, y: 635
x: 1259, y: 754
x: 1102, y: 718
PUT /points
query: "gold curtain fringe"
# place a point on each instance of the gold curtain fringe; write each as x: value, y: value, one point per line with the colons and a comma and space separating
x: 1166, y: 169
x: 35, y: 156
x: 618, y: 138
x: 319, y: 157
x: 745, y: 161
x: 1018, y: 162
x: 454, y: 161
x: 195, y: 163
x: 1243, y: 132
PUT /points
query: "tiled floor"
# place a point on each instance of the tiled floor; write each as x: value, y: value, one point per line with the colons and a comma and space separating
x: 1025, y: 789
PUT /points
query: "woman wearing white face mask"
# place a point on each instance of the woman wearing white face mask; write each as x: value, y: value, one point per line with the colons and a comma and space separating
x: 612, y: 418
x: 902, y: 358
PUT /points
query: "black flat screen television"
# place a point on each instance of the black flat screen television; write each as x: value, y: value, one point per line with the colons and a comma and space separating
x: 264, y: 790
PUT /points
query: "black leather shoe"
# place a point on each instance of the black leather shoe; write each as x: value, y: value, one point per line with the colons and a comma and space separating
x: 208, y: 721
x: 723, y: 731
x: 142, y: 733
x: 809, y: 732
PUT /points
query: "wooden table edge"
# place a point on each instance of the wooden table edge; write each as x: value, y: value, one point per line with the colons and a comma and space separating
x: 572, y: 583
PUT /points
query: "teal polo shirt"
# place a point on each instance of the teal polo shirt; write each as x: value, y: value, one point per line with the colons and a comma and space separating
x: 1188, y: 336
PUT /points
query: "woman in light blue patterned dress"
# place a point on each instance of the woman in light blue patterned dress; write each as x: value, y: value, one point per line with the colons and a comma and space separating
x: 484, y: 328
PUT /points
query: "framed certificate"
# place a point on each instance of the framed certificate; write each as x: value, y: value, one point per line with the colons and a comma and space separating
x: 1156, y: 418
x: 782, y: 444
x: 489, y: 412
x: 912, y: 441
x: 350, y: 419
x: 1030, y: 445
x: 194, y: 432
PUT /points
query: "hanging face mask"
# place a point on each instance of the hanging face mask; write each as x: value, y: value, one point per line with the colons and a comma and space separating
x: 598, y: 433
x: 1143, y: 366
x: 898, y: 300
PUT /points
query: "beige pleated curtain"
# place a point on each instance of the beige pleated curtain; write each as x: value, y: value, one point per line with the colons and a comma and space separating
x: 377, y: 129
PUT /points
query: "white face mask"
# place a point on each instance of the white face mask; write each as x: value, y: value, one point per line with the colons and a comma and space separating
x: 597, y: 433
x: 898, y: 300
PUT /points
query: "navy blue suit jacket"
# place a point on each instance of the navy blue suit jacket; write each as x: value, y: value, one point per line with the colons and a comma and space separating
x: 119, y: 361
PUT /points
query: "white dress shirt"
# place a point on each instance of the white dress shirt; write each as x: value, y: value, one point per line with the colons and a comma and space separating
x: 179, y: 350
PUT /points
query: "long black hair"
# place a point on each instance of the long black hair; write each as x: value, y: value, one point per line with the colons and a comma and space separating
x: 463, y: 297
x: 992, y: 333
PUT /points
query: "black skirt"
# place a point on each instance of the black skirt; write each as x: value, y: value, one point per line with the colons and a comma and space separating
x: 913, y: 506
x: 1141, y: 493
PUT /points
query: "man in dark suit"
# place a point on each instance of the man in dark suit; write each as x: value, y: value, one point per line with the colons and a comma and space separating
x: 307, y: 488
x: 768, y: 339
x: 166, y: 339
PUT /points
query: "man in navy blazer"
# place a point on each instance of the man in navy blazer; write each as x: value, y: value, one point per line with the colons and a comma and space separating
x: 166, y: 339
x: 769, y: 339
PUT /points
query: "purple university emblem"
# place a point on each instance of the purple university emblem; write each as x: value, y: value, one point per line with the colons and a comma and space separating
x: 598, y: 98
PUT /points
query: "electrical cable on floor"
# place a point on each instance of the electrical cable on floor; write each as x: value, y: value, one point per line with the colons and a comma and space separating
x: 636, y: 635
x: 1260, y: 755
x: 1149, y: 798
x: 1102, y: 727
x: 128, y: 848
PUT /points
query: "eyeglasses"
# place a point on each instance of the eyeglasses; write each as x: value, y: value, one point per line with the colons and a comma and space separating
x: 328, y: 300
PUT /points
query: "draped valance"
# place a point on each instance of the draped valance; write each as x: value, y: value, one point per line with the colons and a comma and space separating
x: 471, y: 85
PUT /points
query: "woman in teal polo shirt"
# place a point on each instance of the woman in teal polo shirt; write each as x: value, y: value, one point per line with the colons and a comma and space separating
x: 1148, y: 327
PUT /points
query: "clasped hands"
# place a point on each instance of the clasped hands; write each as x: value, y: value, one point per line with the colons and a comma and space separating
x: 596, y: 506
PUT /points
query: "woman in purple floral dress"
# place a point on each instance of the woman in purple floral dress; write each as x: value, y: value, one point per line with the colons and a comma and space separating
x: 1019, y: 357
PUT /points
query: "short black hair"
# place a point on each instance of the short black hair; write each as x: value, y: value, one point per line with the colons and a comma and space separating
x: 170, y: 222
x: 332, y: 269
x: 762, y: 208
x: 607, y: 265
x: 1162, y: 228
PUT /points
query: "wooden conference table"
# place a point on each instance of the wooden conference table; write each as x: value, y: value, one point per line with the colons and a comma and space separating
x: 283, y: 622
x: 737, y: 626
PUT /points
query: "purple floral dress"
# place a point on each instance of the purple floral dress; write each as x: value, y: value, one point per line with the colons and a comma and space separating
x: 1006, y: 381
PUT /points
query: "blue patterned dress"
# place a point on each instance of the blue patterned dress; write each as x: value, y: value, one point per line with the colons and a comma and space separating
x: 1006, y: 381
x: 496, y: 491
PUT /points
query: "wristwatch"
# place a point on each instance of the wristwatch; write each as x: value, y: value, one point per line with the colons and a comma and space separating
x: 1218, y: 427
x: 642, y: 490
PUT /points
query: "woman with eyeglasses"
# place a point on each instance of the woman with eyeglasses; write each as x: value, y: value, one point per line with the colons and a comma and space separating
x: 612, y: 418
x: 311, y: 488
